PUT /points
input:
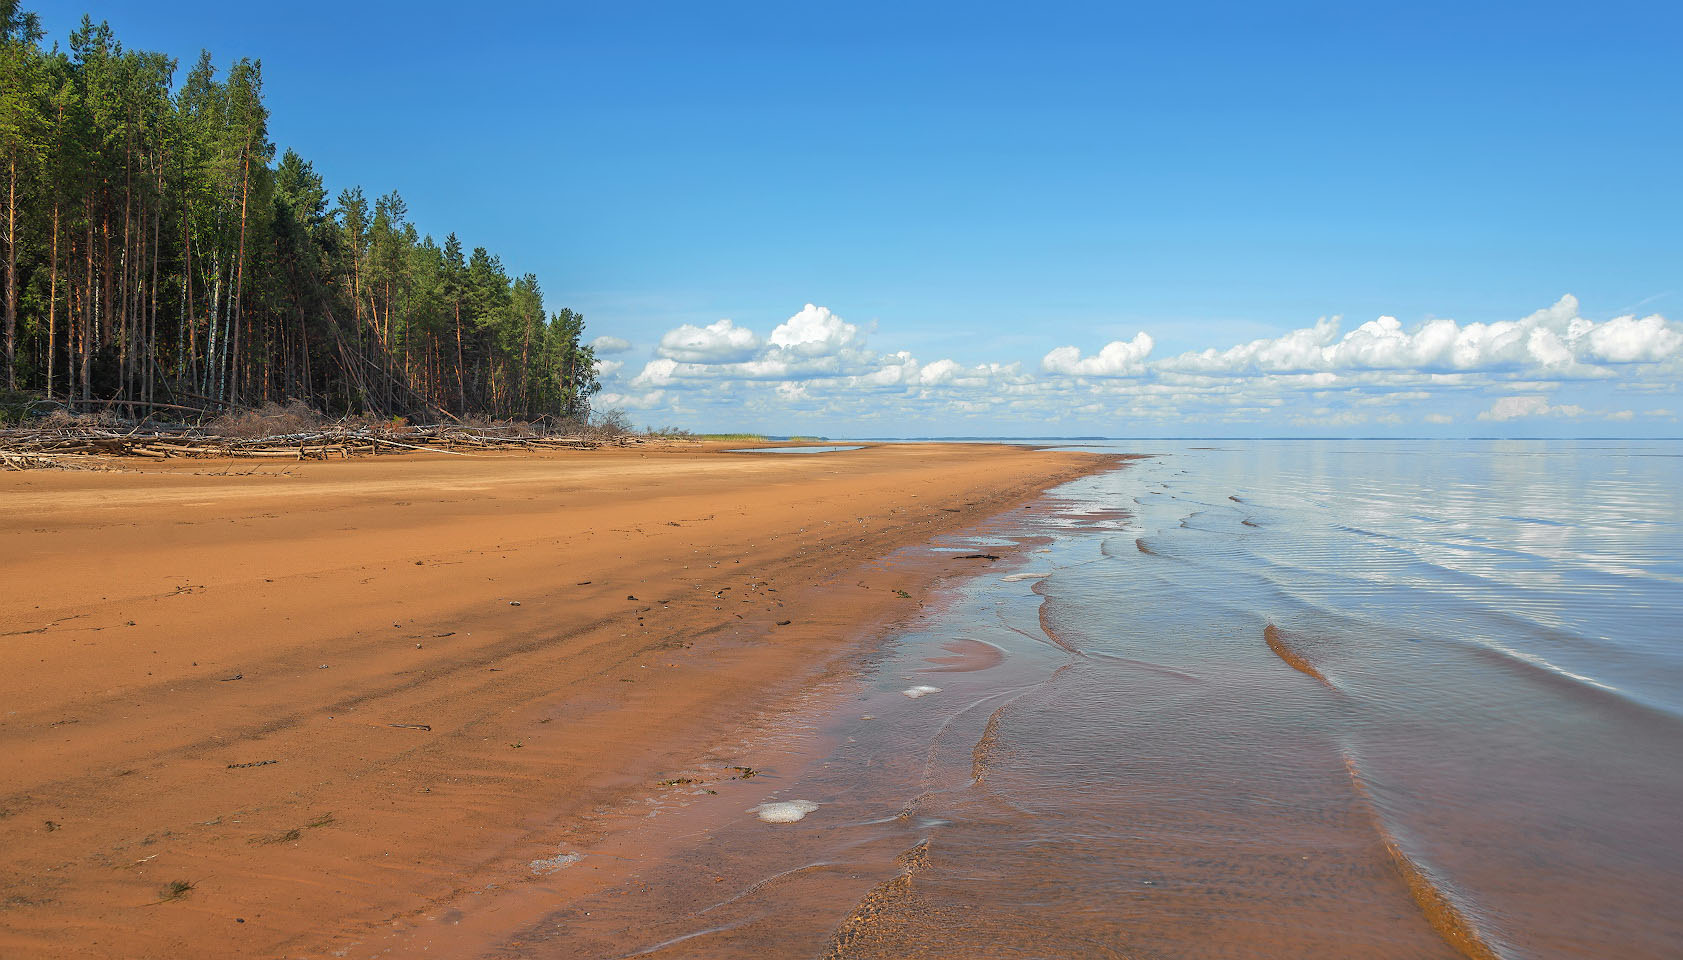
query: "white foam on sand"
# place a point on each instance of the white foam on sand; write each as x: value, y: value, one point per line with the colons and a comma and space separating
x: 560, y: 861
x: 920, y: 690
x: 1013, y: 578
x: 784, y: 811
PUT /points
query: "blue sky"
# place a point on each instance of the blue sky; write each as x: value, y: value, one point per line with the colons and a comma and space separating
x: 963, y: 192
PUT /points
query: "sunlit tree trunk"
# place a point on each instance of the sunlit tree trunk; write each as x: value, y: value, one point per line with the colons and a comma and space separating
x: 11, y: 272
x: 239, y: 283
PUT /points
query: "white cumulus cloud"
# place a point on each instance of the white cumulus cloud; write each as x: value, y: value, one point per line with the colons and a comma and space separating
x: 606, y: 344
x: 1119, y: 358
x: 1629, y: 340
x: 719, y: 342
x: 1555, y: 340
x: 656, y: 373
x: 813, y: 332
x: 941, y: 371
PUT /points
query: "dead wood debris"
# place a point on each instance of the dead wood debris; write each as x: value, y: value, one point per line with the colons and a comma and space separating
x: 66, y: 446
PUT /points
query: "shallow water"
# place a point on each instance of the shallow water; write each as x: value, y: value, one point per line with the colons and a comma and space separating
x: 829, y: 448
x: 1272, y: 699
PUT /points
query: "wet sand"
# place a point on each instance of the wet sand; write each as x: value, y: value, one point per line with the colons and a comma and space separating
x: 333, y: 697
x: 1090, y: 750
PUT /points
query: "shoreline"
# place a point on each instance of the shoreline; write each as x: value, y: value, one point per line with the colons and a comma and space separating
x: 634, y: 847
x: 333, y: 695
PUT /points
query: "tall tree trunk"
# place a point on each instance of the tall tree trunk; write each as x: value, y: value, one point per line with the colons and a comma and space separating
x: 103, y: 327
x: 239, y: 281
x: 88, y: 323
x: 526, y: 369
x: 181, y: 340
x: 125, y: 283
x: 152, y: 321
x: 52, y: 307
x: 70, y: 324
x: 356, y: 292
x: 461, y: 388
x: 189, y: 363
x: 213, y: 327
x: 12, y: 274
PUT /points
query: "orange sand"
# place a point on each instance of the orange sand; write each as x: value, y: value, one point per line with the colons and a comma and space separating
x: 329, y: 695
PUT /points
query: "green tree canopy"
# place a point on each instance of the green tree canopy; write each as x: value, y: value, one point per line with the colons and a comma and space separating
x: 156, y: 252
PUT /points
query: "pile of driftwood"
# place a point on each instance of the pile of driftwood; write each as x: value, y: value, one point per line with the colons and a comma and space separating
x: 64, y: 446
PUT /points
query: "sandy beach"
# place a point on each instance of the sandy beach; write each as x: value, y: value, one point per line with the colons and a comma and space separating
x: 257, y: 709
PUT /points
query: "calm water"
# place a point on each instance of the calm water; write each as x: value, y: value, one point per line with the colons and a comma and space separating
x: 826, y: 448
x: 1270, y: 699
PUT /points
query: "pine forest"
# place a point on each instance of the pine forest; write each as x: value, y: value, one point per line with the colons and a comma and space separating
x: 160, y: 257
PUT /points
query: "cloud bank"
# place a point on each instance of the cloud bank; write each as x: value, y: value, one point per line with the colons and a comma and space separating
x: 817, y: 368
x: 1555, y: 341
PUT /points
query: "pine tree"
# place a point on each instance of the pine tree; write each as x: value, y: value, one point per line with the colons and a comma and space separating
x: 156, y: 254
x: 20, y: 116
